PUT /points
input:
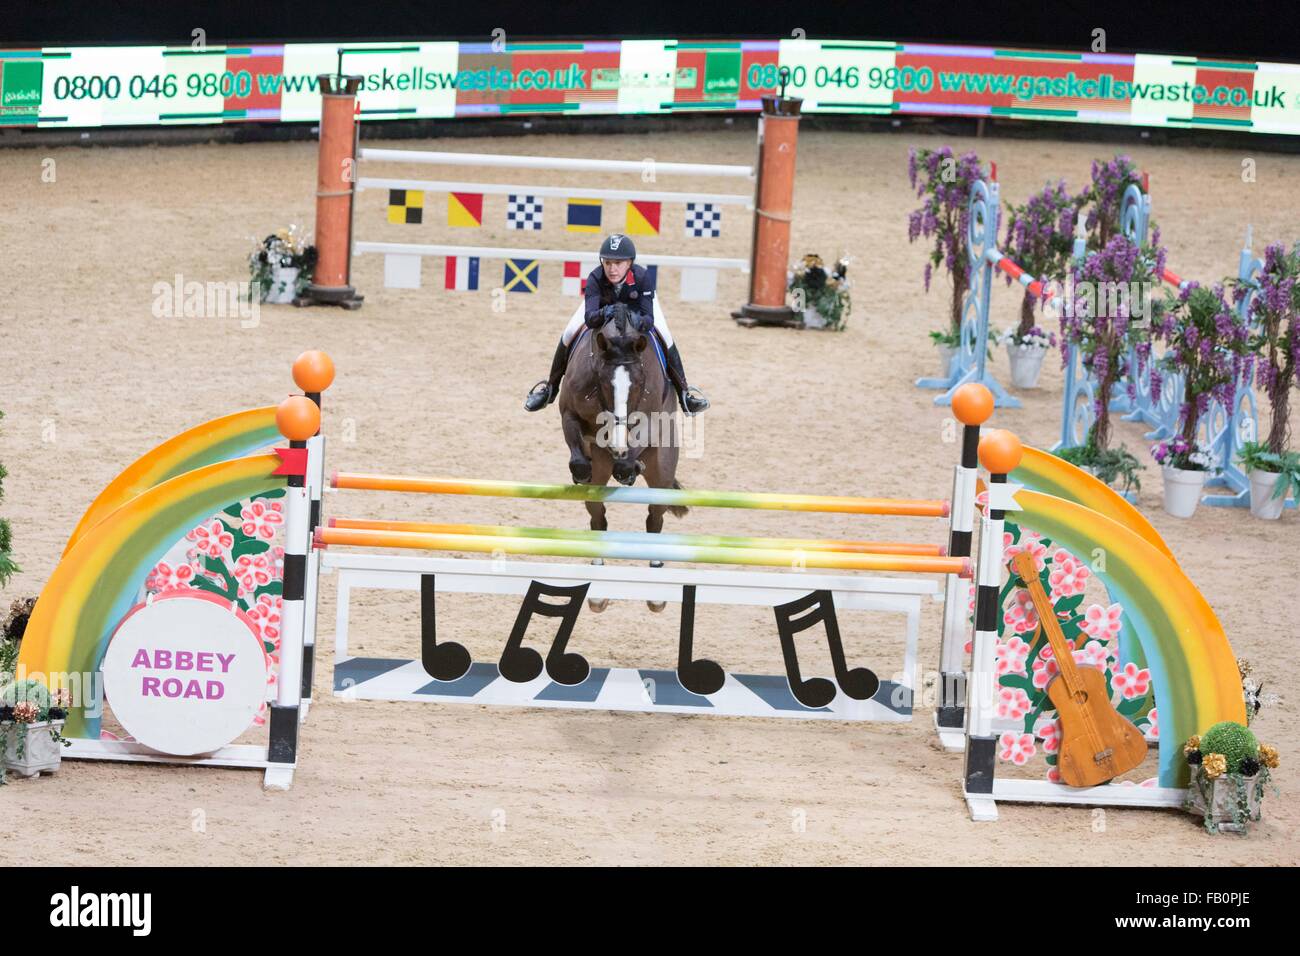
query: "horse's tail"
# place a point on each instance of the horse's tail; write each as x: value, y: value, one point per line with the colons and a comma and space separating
x: 678, y: 511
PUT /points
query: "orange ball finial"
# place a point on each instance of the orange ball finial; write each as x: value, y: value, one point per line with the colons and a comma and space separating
x: 297, y: 417
x: 972, y: 404
x: 313, y: 371
x: 1000, y: 452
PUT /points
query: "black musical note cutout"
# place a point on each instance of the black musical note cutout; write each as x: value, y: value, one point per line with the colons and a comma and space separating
x: 445, y: 661
x: 521, y: 664
x: 859, y: 683
x: 698, y: 676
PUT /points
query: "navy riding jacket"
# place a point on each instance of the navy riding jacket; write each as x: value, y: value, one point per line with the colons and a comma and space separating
x: 637, y: 291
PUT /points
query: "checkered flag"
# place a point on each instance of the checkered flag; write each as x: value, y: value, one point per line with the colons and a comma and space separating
x: 703, y: 219
x: 523, y: 212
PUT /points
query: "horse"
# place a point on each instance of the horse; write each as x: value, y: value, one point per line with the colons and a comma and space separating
x: 617, y: 408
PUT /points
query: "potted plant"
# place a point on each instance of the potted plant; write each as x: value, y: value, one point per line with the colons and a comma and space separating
x: 1184, y: 467
x: 823, y: 298
x: 1275, y: 342
x: 1272, y: 477
x: 31, y: 721
x: 1230, y: 769
x: 943, y: 182
x: 1040, y: 239
x: 1117, y: 467
x: 281, y: 266
x: 1209, y: 348
x: 1026, y: 349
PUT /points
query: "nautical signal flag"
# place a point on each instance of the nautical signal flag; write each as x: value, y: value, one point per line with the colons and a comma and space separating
x: 521, y: 275
x: 461, y: 273
x: 523, y: 212
x: 584, y: 215
x: 703, y: 219
x: 575, y: 280
x: 405, y: 206
x: 465, y: 209
x: 642, y: 218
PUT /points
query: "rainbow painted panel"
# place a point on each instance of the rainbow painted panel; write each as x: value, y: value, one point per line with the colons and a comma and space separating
x: 1192, y: 665
x: 95, y: 584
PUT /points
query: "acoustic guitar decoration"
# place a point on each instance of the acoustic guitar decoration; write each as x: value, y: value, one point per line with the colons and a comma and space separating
x: 1097, y: 743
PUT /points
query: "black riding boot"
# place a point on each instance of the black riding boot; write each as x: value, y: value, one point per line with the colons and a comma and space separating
x: 544, y: 393
x: 693, y: 400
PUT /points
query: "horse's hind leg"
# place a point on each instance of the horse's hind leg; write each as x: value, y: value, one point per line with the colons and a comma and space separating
x: 601, y: 468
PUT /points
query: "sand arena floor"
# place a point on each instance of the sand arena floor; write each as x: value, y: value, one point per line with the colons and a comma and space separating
x: 431, y: 382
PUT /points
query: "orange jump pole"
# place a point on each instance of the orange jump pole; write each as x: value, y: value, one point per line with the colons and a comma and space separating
x: 336, y: 175
x: 769, y: 257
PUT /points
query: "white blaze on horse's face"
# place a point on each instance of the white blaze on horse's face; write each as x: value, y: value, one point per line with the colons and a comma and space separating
x: 622, y: 382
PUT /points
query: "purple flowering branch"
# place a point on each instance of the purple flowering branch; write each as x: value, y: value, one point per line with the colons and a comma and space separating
x: 943, y: 183
x: 1207, y: 344
x: 1275, y: 340
x: 1109, y: 308
x: 1103, y: 197
x: 1040, y: 239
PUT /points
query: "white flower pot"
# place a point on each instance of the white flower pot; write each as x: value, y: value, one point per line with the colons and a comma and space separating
x: 41, y: 754
x: 1223, y: 793
x: 1182, y: 491
x: 946, y: 354
x: 284, y: 286
x: 812, y: 319
x: 1262, y: 503
x: 1026, y: 365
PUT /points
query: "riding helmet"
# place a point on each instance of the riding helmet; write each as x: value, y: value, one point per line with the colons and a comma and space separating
x: 617, y: 246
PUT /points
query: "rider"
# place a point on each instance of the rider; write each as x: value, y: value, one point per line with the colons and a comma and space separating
x: 617, y: 279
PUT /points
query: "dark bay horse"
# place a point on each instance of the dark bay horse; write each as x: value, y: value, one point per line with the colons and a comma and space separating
x: 618, y: 410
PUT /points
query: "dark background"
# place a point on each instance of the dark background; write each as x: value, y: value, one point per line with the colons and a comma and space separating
x: 1231, y: 28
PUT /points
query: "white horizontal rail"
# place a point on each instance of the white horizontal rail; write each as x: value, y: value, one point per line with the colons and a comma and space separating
x: 543, y: 255
x: 493, y: 572
x: 501, y: 189
x: 554, y: 162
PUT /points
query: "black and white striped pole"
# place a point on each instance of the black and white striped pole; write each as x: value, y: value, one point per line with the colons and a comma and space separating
x: 313, y: 372
x: 999, y: 453
x: 298, y: 419
x: 972, y: 404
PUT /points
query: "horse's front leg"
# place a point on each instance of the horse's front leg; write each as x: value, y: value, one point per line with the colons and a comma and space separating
x: 579, y: 463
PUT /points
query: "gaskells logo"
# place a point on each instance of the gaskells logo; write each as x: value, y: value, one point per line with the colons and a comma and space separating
x: 20, y: 84
x: 75, y: 908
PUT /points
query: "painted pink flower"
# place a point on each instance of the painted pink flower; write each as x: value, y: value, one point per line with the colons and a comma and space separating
x: 1103, y: 623
x: 1045, y: 668
x: 1017, y: 748
x: 213, y: 538
x: 1053, y: 774
x: 1093, y: 655
x: 1011, y: 702
x: 265, y: 615
x: 1068, y: 576
x: 1132, y: 681
x: 1020, y: 615
x: 262, y: 518
x: 982, y: 500
x: 1030, y: 544
x: 252, y: 571
x: 1048, y: 730
x: 164, y: 576
x: 1009, y: 657
x: 1152, y: 729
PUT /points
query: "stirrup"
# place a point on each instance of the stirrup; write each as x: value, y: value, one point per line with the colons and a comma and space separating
x: 692, y: 393
x: 542, y: 390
